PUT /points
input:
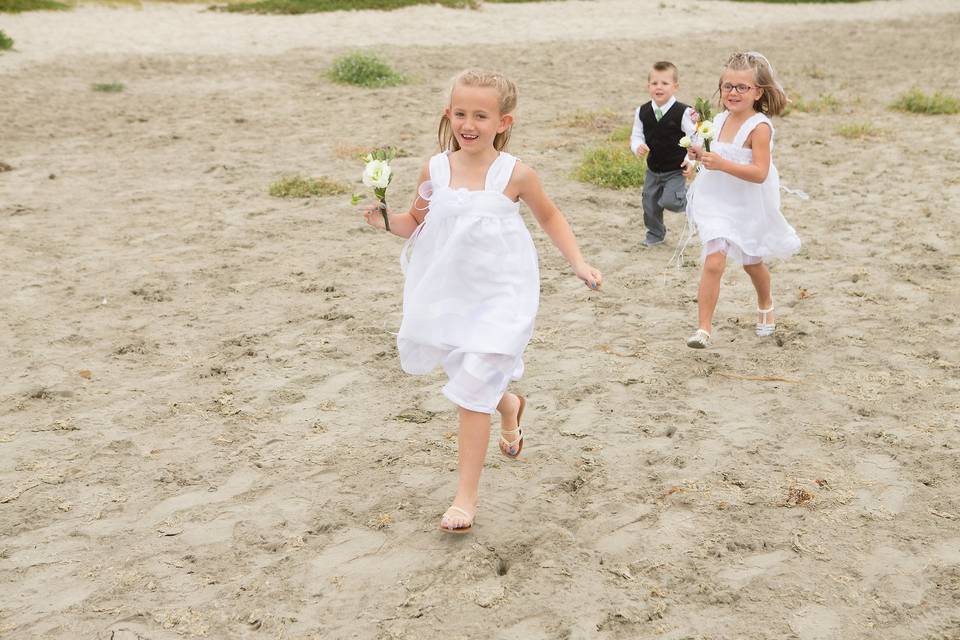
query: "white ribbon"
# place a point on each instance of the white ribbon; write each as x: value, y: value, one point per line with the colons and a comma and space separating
x: 796, y: 192
x: 408, y: 247
x: 757, y: 54
x: 425, y: 192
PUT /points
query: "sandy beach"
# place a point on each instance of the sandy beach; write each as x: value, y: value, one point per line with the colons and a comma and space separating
x: 204, y: 428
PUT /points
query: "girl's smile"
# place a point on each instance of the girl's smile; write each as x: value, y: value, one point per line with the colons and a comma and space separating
x: 730, y: 85
x: 475, y: 117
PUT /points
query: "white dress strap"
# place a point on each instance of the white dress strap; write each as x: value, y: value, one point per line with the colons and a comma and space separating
x: 440, y: 171
x: 750, y: 125
x: 499, y: 173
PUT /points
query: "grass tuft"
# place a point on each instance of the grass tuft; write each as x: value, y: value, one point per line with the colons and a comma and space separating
x: 359, y: 152
x: 295, y: 7
x: 599, y: 120
x: 612, y: 168
x: 916, y: 101
x: 621, y: 134
x: 109, y: 87
x: 20, y: 6
x: 859, y: 131
x: 825, y: 102
x: 6, y: 42
x: 364, y: 70
x: 300, y: 187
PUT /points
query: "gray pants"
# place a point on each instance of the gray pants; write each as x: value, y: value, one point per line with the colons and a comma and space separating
x: 667, y: 190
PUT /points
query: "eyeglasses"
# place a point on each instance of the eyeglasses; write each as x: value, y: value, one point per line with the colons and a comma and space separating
x: 726, y: 87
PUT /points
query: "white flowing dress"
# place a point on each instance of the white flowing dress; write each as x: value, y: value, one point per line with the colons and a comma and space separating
x: 472, y: 288
x: 740, y: 218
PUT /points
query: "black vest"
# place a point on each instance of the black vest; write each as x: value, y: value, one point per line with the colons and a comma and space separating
x: 663, y: 137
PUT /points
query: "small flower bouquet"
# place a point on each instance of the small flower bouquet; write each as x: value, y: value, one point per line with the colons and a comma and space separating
x: 378, y: 174
x: 705, y: 132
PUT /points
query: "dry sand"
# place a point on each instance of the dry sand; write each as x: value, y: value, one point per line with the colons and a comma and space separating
x: 247, y: 460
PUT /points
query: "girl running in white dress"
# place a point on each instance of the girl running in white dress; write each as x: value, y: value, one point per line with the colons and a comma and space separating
x: 472, y: 283
x: 734, y: 203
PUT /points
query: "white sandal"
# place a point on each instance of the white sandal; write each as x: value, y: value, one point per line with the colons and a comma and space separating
x: 765, y: 328
x: 699, y: 340
x: 469, y: 517
x: 512, y: 448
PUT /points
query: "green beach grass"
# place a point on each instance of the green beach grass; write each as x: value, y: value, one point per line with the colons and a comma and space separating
x: 612, y: 167
x: 824, y: 102
x: 108, y: 87
x: 293, y: 7
x: 859, y: 131
x: 609, y: 164
x: 6, y: 42
x: 364, y: 70
x: 300, y: 187
x: 20, y: 6
x: 916, y: 101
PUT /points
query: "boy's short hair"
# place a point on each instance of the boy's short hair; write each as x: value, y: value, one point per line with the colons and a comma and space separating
x: 663, y: 65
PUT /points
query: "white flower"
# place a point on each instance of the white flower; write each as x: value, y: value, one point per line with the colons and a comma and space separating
x: 706, y: 130
x: 685, y: 142
x: 377, y: 174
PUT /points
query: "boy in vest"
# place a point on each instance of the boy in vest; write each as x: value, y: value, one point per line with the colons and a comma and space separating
x: 657, y: 129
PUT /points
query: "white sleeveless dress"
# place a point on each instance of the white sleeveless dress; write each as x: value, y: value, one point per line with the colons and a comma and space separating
x: 472, y: 288
x: 740, y: 218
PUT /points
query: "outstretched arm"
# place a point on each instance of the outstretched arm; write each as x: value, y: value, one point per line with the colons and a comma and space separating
x: 401, y: 224
x: 756, y: 171
x: 554, y: 224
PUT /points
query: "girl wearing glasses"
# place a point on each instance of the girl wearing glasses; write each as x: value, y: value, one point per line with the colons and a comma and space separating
x: 734, y: 203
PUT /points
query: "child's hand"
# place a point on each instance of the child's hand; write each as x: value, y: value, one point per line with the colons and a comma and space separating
x: 642, y: 150
x: 590, y: 276
x: 373, y: 216
x: 712, y: 160
x: 688, y: 169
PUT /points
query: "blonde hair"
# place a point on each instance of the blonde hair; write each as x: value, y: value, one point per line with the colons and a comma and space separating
x: 506, y: 102
x: 773, y: 100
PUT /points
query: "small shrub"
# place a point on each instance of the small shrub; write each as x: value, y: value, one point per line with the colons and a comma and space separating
x: 300, y: 187
x: 19, y: 6
x: 6, y: 42
x: 916, y: 101
x: 109, y: 87
x: 295, y: 7
x: 364, y: 70
x: 859, y: 131
x: 612, y: 168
